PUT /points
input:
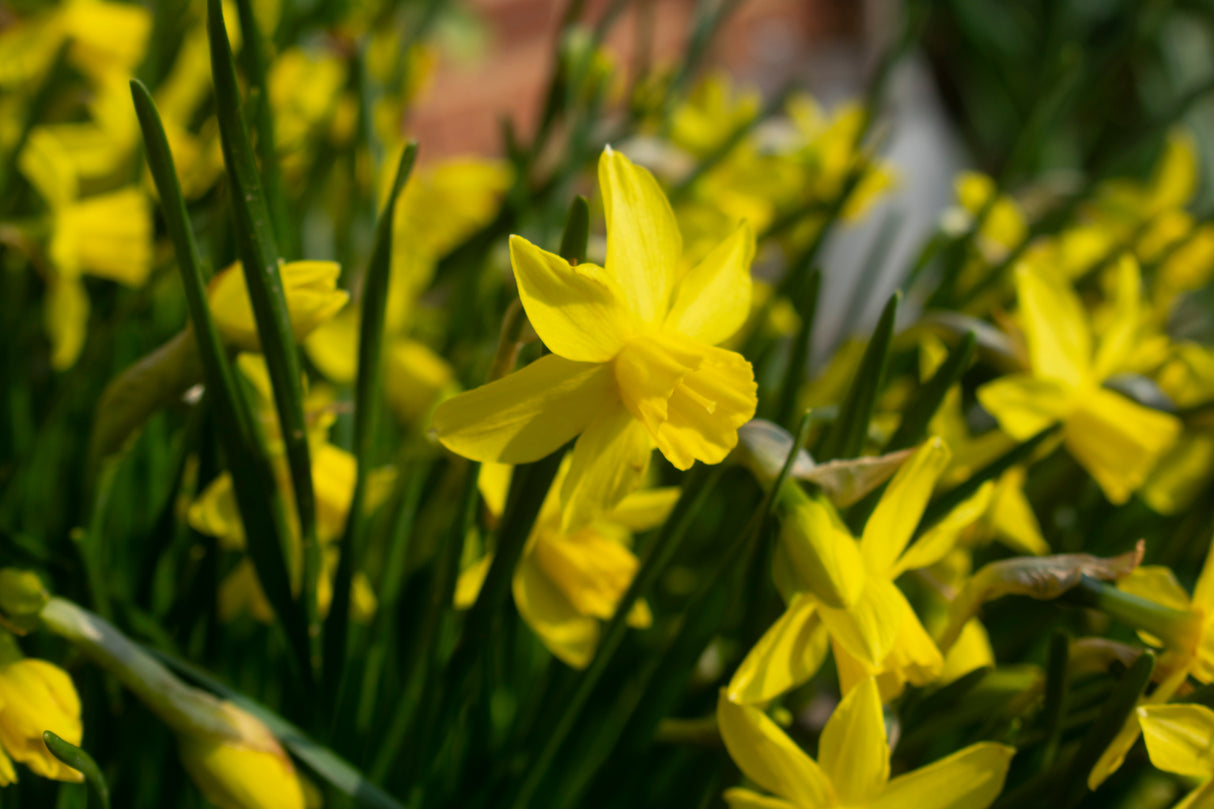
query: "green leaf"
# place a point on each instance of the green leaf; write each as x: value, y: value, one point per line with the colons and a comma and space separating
x: 923, y: 406
x: 82, y: 762
x: 368, y: 394
x: 798, y: 359
x: 259, y: 259
x: 846, y: 437
x: 577, y: 230
x: 253, y: 481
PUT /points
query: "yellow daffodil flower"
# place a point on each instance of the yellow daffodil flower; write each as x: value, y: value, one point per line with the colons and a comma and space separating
x: 634, y: 361
x: 35, y: 696
x: 1129, y: 204
x: 1115, y: 439
x: 214, y: 512
x: 1004, y: 227
x: 310, y: 288
x: 853, y: 766
x: 844, y: 591
x: 1188, y: 648
x: 1180, y: 740
x: 1188, y: 467
x: 566, y: 584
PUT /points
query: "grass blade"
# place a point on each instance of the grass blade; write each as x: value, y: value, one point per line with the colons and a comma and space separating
x: 257, y: 495
x: 846, y: 437
x: 918, y: 414
x: 368, y: 395
x: 259, y: 257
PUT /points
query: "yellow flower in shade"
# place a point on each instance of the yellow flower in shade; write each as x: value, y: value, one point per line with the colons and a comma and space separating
x: 634, y: 361
x: 310, y: 288
x: 1115, y: 439
x: 844, y: 591
x: 1188, y: 649
x: 853, y: 766
x: 1180, y: 740
x: 35, y: 696
x: 234, y: 774
x: 565, y: 584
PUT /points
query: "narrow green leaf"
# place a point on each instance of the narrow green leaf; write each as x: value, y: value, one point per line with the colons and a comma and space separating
x: 798, y: 359
x: 368, y: 394
x: 577, y: 230
x: 257, y: 496
x: 1119, y: 708
x: 846, y: 437
x: 259, y: 258
x: 256, y: 67
x: 82, y: 762
x: 926, y: 401
x: 565, y: 710
x: 1056, y: 684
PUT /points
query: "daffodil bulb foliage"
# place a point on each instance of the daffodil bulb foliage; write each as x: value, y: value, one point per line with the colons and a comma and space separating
x: 853, y: 766
x: 634, y: 361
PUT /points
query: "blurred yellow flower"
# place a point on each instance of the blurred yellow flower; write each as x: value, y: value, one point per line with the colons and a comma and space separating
x: 853, y: 766
x: 1115, y: 439
x: 1180, y: 740
x: 565, y: 584
x: 310, y: 288
x: 633, y: 363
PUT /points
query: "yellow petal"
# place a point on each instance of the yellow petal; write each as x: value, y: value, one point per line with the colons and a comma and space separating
x: 1181, y: 474
x: 868, y: 628
x: 561, y: 627
x: 333, y: 347
x: 897, y: 514
x: 8, y: 774
x: 590, y: 569
x: 1203, y: 591
x: 527, y: 414
x: 578, y: 311
x: 787, y: 655
x: 823, y: 554
x: 310, y: 288
x: 643, y: 241
x: 66, y: 316
x: 1011, y: 516
x: 1055, y: 327
x: 214, y: 512
x: 939, y: 540
x: 691, y: 397
x: 416, y: 379
x: 769, y: 758
x: 1155, y: 583
x: 968, y: 779
x: 107, y: 235
x: 972, y: 650
x: 646, y: 509
x: 1024, y: 405
x: 471, y: 578
x: 745, y: 799
x: 853, y: 751
x: 1179, y: 738
x: 610, y: 459
x: 1118, y: 440
x: 712, y: 301
x: 1176, y: 174
x: 1120, y: 337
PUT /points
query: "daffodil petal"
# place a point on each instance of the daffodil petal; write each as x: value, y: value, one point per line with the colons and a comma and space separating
x: 853, y: 751
x: 1055, y: 327
x: 609, y: 461
x: 868, y: 628
x: 1179, y: 738
x: 824, y: 556
x: 643, y: 241
x: 894, y: 519
x: 646, y: 509
x: 1024, y: 405
x: 745, y: 799
x: 769, y: 758
x: 788, y: 654
x: 578, y: 311
x: 1120, y: 338
x: 566, y: 632
x: 1011, y: 516
x: 968, y: 779
x: 712, y: 300
x: 1155, y: 583
x: 526, y: 415
x: 1118, y: 441
x: 941, y: 538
